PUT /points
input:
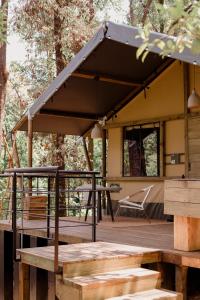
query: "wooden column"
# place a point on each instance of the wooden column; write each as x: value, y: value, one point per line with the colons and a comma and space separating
x: 104, y: 154
x: 162, y: 148
x: 6, y: 266
x: 30, y: 142
x: 186, y: 86
x: 167, y: 272
x: 104, y: 169
x: 38, y: 277
x: 24, y: 282
x: 91, y: 150
x: 181, y: 280
x: 87, y: 156
x: 51, y: 280
x: 30, y: 147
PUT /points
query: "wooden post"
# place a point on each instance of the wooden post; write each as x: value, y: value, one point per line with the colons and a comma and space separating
x: 51, y: 280
x: 186, y: 87
x: 104, y: 154
x: 104, y: 166
x: 167, y: 275
x: 24, y: 282
x: 91, y: 150
x: 6, y: 266
x: 162, y: 148
x: 30, y: 141
x: 181, y: 280
x: 30, y: 147
x: 87, y: 154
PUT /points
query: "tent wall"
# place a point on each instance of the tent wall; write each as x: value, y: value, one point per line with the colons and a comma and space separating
x: 163, y: 101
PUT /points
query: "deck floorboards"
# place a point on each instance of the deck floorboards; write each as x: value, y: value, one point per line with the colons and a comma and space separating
x: 128, y: 231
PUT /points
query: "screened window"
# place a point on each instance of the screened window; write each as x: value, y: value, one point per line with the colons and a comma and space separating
x: 141, y: 150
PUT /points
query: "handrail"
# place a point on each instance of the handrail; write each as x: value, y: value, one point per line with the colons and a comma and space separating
x: 57, y: 174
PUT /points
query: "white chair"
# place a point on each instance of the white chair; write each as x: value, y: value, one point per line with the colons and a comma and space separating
x: 127, y: 203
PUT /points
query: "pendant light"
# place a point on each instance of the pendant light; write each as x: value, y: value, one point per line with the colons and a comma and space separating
x: 194, y: 98
x: 97, y: 132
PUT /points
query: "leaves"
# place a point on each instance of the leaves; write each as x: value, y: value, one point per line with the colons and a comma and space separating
x: 182, y: 22
x: 141, y: 49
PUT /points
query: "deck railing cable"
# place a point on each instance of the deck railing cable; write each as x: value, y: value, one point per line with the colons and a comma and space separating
x: 51, y: 212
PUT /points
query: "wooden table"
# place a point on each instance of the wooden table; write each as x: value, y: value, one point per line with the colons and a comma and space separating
x: 100, y: 190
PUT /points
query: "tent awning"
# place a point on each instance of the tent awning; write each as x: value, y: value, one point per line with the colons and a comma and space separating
x: 103, y: 77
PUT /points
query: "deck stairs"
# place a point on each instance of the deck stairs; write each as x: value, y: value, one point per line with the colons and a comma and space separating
x: 115, y: 276
x: 97, y: 271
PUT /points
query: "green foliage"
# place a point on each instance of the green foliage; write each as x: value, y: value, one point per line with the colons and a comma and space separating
x: 3, y: 23
x: 151, y: 157
x: 181, y: 19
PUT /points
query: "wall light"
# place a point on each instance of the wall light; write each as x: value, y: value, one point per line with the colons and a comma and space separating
x: 194, y: 98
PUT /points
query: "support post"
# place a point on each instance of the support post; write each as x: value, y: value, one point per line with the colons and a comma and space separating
x: 87, y: 155
x: 56, y: 239
x: 181, y: 280
x: 51, y: 281
x: 6, y: 266
x: 104, y: 154
x: 30, y: 147
x: 162, y: 148
x: 104, y: 166
x: 91, y: 150
x: 24, y: 282
x: 167, y: 272
x: 38, y: 277
x: 186, y: 87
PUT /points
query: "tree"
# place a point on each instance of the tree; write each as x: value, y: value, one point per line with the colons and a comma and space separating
x: 3, y: 70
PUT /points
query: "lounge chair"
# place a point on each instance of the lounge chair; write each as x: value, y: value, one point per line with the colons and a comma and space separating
x: 131, y: 202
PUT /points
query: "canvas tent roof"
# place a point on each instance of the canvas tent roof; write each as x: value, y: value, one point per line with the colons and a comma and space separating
x: 99, y: 80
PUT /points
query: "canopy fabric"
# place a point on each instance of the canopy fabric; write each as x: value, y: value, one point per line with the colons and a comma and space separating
x: 103, y: 77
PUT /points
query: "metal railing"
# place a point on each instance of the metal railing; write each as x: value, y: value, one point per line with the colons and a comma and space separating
x: 52, y: 178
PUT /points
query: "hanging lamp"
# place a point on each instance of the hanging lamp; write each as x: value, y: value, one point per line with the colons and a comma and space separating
x: 194, y: 98
x: 97, y: 132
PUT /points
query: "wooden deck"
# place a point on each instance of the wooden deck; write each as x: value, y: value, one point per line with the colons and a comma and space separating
x: 128, y: 231
x: 137, y: 232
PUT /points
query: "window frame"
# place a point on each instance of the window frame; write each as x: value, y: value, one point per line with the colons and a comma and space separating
x: 155, y: 125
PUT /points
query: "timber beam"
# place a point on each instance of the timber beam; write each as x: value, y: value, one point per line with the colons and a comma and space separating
x: 107, y: 78
x: 68, y: 114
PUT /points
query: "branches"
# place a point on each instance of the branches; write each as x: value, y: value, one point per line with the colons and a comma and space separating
x: 188, y: 10
x: 183, y: 24
x: 131, y: 16
x: 146, y: 11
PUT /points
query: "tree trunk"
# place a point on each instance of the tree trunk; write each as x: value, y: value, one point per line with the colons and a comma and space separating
x: 146, y: 11
x: 3, y: 71
x: 131, y: 16
x: 60, y: 138
x: 60, y: 65
x: 162, y: 25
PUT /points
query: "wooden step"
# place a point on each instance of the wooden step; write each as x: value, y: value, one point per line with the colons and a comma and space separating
x: 109, y: 284
x: 89, y: 258
x: 155, y: 294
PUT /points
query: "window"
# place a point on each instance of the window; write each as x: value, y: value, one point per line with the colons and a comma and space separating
x: 141, y: 150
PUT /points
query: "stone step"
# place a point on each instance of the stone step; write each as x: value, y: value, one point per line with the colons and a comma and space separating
x: 155, y: 294
x: 109, y: 284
